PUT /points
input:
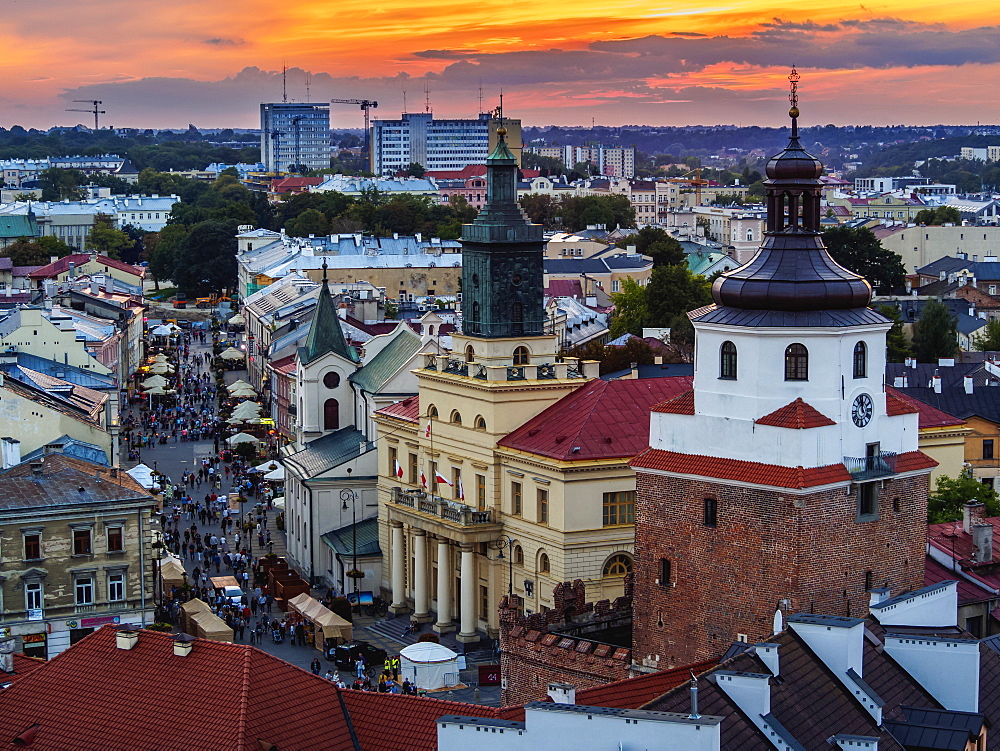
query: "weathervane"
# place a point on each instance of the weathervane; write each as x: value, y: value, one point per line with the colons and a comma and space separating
x: 793, y: 99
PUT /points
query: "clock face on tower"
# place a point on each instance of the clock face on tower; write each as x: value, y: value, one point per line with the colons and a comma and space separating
x: 861, y: 411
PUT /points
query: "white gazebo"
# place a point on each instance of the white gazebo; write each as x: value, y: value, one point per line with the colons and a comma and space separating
x: 429, y: 666
x: 241, y: 438
x: 232, y: 354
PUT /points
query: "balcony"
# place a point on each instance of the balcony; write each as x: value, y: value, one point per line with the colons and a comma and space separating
x: 85, y: 609
x: 865, y: 468
x: 433, y: 505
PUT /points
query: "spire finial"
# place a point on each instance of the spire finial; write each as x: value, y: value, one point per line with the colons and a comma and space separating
x: 324, y: 272
x: 793, y: 99
x: 498, y: 114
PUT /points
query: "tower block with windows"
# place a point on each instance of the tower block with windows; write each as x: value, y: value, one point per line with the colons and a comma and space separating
x: 787, y: 477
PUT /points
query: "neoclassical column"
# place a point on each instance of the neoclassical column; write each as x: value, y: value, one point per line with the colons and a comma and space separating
x: 398, y: 568
x: 421, y: 600
x: 469, y: 580
x: 444, y: 624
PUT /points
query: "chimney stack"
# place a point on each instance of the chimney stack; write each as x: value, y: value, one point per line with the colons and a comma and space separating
x: 878, y: 596
x: 972, y: 514
x: 936, y: 384
x: 562, y: 693
x: 968, y: 384
x: 182, y: 645
x: 126, y: 637
x: 36, y: 468
x: 694, y: 698
x: 982, y: 542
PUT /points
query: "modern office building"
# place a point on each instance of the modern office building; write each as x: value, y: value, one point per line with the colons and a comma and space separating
x: 438, y: 144
x: 294, y: 133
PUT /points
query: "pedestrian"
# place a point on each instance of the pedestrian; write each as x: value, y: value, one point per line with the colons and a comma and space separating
x: 359, y: 666
x: 314, y: 666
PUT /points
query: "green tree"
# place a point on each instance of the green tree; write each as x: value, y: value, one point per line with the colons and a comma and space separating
x: 416, y: 169
x: 938, y: 216
x: 989, y: 339
x: 53, y: 246
x: 945, y: 503
x: 898, y: 347
x: 309, y: 222
x: 660, y: 245
x: 62, y: 184
x: 162, y: 255
x: 206, y: 262
x: 613, y: 359
x: 105, y: 239
x: 673, y: 291
x: 857, y: 249
x: 935, y: 334
x: 541, y: 208
x: 578, y: 212
x: 631, y: 310
x: 26, y: 251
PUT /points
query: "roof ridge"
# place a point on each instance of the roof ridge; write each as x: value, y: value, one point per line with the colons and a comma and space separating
x: 244, y: 699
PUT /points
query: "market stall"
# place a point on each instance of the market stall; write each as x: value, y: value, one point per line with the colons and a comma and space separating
x: 327, y: 625
x: 200, y: 621
x: 429, y: 666
x: 171, y: 572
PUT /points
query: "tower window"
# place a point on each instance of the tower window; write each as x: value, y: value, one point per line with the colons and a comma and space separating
x: 456, y: 417
x: 543, y: 563
x: 711, y: 509
x: 860, y: 360
x: 867, y: 502
x: 665, y: 572
x: 869, y: 580
x: 796, y: 363
x: 517, y: 317
x: 470, y: 353
x: 727, y: 361
x: 480, y: 423
x: 521, y: 356
x: 331, y: 380
x: 474, y: 323
x: 331, y: 414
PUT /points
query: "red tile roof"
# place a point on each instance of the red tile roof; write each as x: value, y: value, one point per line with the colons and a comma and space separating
x: 682, y: 404
x: 290, y: 183
x: 950, y: 538
x: 564, y: 288
x: 633, y: 693
x: 285, y: 365
x: 912, y: 461
x: 407, y: 410
x: 798, y: 415
x: 473, y: 170
x: 23, y: 665
x: 61, y: 265
x: 934, y: 573
x: 600, y: 420
x: 744, y: 471
x: 898, y: 403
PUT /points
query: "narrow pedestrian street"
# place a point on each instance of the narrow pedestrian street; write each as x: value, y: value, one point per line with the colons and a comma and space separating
x: 177, y: 457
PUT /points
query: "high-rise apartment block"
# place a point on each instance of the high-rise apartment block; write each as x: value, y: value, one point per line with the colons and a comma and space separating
x: 295, y: 136
x: 613, y: 161
x: 438, y: 144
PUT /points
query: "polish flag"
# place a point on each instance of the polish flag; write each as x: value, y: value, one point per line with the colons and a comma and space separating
x: 399, y: 469
x: 438, y: 477
x: 427, y: 432
x: 423, y: 479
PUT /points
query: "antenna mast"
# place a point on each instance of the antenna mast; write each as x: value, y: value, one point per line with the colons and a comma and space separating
x: 427, y: 98
x: 284, y: 83
x: 793, y: 99
x: 308, y: 84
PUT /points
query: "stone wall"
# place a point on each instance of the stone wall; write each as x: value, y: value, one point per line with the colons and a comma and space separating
x: 562, y: 644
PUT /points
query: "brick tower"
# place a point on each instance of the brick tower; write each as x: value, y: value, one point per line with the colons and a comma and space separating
x: 786, y: 477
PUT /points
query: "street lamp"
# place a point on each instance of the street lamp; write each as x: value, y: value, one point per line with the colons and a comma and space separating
x: 503, y: 541
x: 348, y: 494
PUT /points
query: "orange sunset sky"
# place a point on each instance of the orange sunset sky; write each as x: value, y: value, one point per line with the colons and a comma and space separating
x: 157, y: 64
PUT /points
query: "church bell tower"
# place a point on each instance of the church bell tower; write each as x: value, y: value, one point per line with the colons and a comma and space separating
x: 787, y: 477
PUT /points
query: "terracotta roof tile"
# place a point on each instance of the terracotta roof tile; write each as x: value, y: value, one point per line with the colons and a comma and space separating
x: 600, y: 420
x: 633, y: 693
x: 898, y: 403
x: 682, y: 404
x: 798, y: 415
x: 935, y: 573
x: 736, y: 469
x: 912, y: 461
x: 62, y: 264
x: 407, y: 410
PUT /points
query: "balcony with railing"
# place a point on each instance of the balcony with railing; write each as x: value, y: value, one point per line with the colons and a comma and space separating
x: 864, y: 468
x: 561, y: 368
x: 433, y: 505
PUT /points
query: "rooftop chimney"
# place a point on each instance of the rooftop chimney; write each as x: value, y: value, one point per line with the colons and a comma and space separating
x: 126, y: 637
x: 10, y: 452
x: 936, y: 384
x: 968, y: 384
x: 878, y: 595
x: 694, y: 698
x: 562, y: 693
x: 982, y: 541
x: 72, y: 270
x: 182, y: 645
x: 972, y: 514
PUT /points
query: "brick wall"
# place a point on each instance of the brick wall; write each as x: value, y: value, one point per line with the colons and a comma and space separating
x: 535, y: 652
x: 766, y: 547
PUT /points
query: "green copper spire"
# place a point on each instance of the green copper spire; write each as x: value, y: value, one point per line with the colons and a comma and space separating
x: 325, y: 333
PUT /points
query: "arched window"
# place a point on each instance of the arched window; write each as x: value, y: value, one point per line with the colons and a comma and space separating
x: 474, y: 323
x: 727, y: 361
x: 517, y: 317
x: 331, y: 414
x: 860, y: 360
x: 750, y: 235
x: 470, y: 354
x: 543, y: 563
x: 332, y: 379
x: 432, y: 411
x: 521, y: 356
x: 518, y: 555
x: 796, y: 363
x: 480, y: 422
x: 456, y: 417
x: 617, y: 565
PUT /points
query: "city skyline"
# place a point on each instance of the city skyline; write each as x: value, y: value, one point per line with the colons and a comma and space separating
x: 163, y: 66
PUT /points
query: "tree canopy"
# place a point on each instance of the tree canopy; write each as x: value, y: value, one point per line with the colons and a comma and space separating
x: 945, y: 503
x: 206, y: 261
x: 988, y: 340
x: 35, y: 251
x: 935, y: 334
x: 857, y: 249
x: 103, y: 238
x: 898, y: 347
x: 658, y: 244
x: 939, y: 215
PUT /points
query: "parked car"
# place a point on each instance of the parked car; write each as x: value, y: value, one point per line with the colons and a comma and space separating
x: 344, y: 655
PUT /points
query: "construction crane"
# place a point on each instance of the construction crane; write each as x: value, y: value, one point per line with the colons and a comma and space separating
x: 366, y: 105
x: 697, y: 183
x: 95, y: 111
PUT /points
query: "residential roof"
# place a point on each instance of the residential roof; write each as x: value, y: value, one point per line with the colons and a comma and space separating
x: 898, y: 403
x: 935, y: 573
x: 325, y: 332
x: 633, y: 693
x: 599, y: 420
x: 682, y: 404
x: 62, y: 265
x: 407, y: 410
x: 797, y: 415
x: 756, y: 473
x: 329, y: 451
x: 23, y: 665
x: 564, y: 288
x: 365, y: 532
x: 18, y: 225
x: 375, y: 373
x: 983, y: 402
x: 951, y: 539
x: 603, y: 265
x: 60, y: 482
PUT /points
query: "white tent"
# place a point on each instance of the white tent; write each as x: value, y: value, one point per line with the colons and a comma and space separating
x: 278, y: 501
x: 238, y: 384
x: 232, y: 354
x: 243, y: 393
x: 246, y: 410
x: 142, y: 475
x: 241, y: 438
x: 429, y: 665
x: 160, y: 358
x: 161, y: 331
x: 154, y: 380
x: 237, y: 320
x: 277, y: 475
x: 266, y: 466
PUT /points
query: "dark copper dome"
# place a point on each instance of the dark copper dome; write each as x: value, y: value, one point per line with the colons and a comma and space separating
x: 792, y: 271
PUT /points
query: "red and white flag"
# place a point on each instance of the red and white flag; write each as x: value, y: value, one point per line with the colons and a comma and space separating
x: 398, y: 468
x: 461, y: 490
x: 438, y: 477
x: 427, y: 432
x: 423, y: 479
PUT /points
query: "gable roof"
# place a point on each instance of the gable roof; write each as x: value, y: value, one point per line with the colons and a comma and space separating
x: 682, y: 404
x: 599, y: 420
x: 375, y: 373
x: 325, y: 333
x: 797, y: 415
x: 328, y: 451
x: 898, y: 403
x: 407, y: 410
x: 633, y: 693
x: 60, y: 484
x: 62, y: 265
x: 756, y: 473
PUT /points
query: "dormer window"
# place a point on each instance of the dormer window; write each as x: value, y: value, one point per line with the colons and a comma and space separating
x: 796, y: 363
